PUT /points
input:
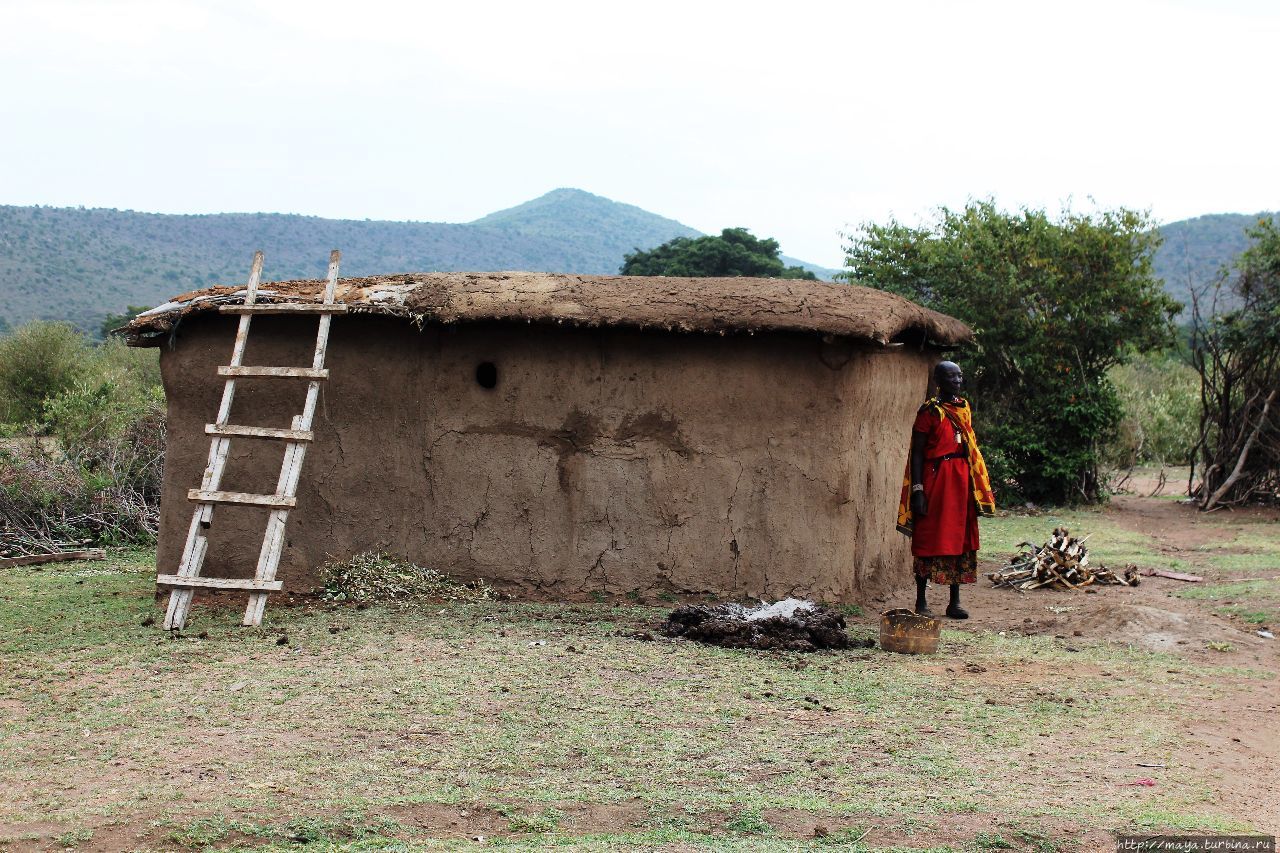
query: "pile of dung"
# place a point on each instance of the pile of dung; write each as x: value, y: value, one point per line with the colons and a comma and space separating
x: 790, y: 625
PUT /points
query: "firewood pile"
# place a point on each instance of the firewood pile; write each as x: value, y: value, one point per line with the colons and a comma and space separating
x: 790, y: 624
x: 1063, y: 561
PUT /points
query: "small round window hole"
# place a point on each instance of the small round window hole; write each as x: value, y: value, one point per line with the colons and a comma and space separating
x: 486, y: 374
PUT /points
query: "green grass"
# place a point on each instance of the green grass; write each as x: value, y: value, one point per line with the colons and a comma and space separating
x: 1219, y: 591
x: 335, y: 739
x: 1254, y: 602
x: 1254, y: 548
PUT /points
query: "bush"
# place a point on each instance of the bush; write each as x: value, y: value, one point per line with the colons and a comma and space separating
x: 98, y: 409
x: 1160, y: 397
x: 97, y: 476
x: 735, y: 252
x: 37, y: 361
x: 1236, y: 354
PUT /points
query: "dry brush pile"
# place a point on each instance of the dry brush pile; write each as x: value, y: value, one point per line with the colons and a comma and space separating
x: 374, y: 577
x: 104, y: 491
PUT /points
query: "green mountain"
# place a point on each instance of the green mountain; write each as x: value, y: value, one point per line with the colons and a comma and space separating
x: 79, y: 265
x: 1195, y: 249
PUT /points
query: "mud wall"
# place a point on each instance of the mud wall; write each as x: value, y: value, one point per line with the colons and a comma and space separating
x: 601, y: 460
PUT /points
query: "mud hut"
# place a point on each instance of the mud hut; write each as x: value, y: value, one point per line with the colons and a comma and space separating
x: 562, y: 436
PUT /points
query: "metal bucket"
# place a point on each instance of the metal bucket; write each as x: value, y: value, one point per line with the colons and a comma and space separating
x: 908, y: 632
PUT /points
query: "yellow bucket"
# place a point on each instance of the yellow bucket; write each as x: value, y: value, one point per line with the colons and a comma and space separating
x: 908, y: 632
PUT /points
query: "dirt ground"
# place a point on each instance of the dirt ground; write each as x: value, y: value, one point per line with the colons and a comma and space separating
x: 1029, y: 730
x: 1238, y: 742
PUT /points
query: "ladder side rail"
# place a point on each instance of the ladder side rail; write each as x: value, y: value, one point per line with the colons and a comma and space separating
x: 322, y: 331
x: 180, y: 605
x: 331, y: 279
x: 197, y: 545
x: 242, y: 338
x: 295, y: 453
x: 175, y: 614
x: 273, y: 539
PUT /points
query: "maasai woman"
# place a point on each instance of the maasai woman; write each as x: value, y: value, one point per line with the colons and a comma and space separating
x: 945, y: 488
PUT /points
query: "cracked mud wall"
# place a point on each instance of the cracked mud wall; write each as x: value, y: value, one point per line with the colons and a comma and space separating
x: 602, y: 461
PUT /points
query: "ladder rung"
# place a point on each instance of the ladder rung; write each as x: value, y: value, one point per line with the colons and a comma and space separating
x: 259, y: 432
x: 296, y: 372
x: 285, y: 308
x: 221, y: 583
x: 242, y: 498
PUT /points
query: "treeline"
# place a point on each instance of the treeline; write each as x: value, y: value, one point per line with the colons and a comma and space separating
x: 1078, y: 367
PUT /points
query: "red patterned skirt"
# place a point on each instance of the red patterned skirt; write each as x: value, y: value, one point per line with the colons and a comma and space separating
x: 957, y: 568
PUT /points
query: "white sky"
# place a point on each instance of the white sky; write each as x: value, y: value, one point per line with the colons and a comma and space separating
x: 795, y: 119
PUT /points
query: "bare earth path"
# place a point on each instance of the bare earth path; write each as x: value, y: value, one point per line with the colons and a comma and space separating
x: 538, y: 725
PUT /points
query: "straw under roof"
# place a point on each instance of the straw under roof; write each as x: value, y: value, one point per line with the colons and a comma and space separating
x: 697, y: 305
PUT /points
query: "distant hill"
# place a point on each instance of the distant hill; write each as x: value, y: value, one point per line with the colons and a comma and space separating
x: 1195, y: 249
x: 591, y: 230
x: 79, y: 265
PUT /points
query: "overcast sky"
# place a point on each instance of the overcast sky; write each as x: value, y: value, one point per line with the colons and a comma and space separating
x: 797, y: 120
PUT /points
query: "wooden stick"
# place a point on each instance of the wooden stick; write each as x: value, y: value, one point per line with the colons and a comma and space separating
x: 284, y: 308
x: 59, y: 557
x: 275, y: 372
x: 217, y: 583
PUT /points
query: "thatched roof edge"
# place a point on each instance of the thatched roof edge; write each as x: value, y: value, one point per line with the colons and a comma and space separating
x: 698, y: 305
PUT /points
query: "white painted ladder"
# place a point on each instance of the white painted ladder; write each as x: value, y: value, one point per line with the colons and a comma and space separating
x: 188, y: 578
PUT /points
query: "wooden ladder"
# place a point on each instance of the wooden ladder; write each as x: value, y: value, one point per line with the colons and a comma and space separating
x: 296, y: 438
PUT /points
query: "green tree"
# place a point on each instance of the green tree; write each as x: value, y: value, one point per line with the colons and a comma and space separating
x: 111, y: 322
x: 1237, y: 354
x: 736, y: 252
x: 1054, y: 304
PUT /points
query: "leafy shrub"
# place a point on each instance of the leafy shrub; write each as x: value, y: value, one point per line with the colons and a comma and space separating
x: 98, y: 409
x: 37, y: 361
x: 1160, y: 397
x: 374, y: 576
x: 735, y: 252
x: 96, y: 477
